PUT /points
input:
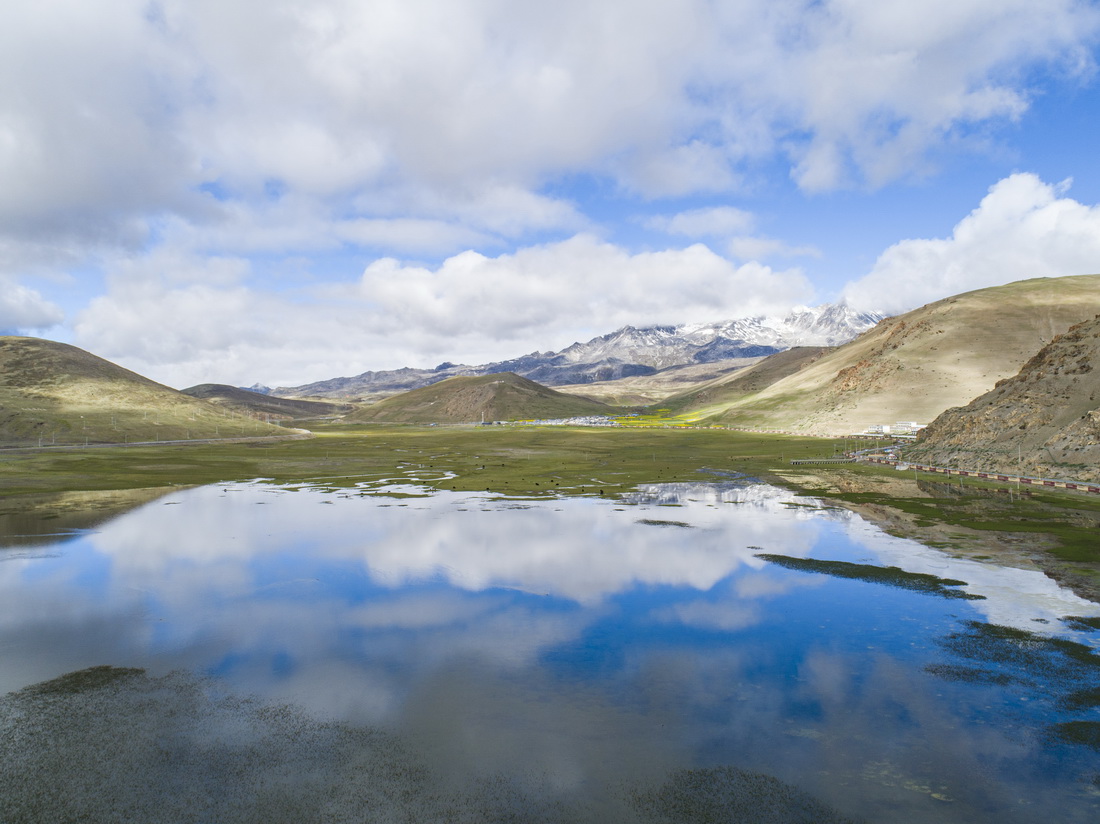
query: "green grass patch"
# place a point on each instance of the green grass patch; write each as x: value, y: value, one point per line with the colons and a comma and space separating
x: 508, y: 460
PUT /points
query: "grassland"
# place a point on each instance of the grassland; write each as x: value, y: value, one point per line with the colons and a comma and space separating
x: 508, y: 460
x: 1059, y: 532
x: 53, y: 393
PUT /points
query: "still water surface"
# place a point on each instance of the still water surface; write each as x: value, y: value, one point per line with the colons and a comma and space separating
x: 474, y: 657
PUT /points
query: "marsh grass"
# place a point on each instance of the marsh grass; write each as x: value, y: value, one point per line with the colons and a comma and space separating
x: 1060, y: 671
x: 524, y: 462
x: 509, y: 460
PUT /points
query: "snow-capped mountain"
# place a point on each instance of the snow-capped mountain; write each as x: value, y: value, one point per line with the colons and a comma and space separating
x: 628, y: 351
x: 664, y: 346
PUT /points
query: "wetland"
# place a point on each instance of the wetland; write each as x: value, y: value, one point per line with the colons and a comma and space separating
x: 465, y: 625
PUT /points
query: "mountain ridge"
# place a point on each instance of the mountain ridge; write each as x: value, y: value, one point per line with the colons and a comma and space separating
x: 627, y: 352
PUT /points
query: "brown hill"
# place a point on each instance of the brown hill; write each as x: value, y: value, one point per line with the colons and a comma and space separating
x: 1045, y: 421
x: 753, y: 379
x: 647, y: 390
x: 500, y: 397
x: 53, y: 393
x: 916, y: 365
x: 264, y: 406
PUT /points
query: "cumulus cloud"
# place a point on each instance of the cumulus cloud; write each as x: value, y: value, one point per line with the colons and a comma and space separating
x: 116, y: 110
x: 471, y: 307
x: 878, y: 85
x: 593, y: 283
x: 1024, y: 228
x: 157, y: 132
x: 25, y: 310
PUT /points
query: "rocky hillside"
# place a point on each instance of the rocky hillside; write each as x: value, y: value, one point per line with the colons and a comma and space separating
x: 500, y: 397
x: 53, y: 393
x: 914, y: 366
x: 1045, y: 421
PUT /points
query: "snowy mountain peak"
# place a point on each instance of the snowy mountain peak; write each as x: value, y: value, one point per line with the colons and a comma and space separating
x: 827, y: 325
x: 661, y: 346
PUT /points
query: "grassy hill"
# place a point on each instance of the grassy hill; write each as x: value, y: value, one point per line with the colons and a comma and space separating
x: 53, y: 393
x: 1045, y: 421
x: 264, y: 406
x: 916, y: 365
x: 501, y: 397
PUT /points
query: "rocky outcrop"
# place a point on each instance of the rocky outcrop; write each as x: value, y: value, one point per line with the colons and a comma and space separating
x: 1044, y: 421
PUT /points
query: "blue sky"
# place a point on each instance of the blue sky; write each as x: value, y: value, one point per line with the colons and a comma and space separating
x: 281, y: 192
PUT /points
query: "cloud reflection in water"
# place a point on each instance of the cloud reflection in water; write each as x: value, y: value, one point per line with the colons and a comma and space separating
x: 550, y: 637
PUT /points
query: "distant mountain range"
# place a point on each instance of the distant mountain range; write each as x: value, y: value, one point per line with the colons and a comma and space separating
x: 1018, y: 384
x: 626, y: 352
x: 249, y: 402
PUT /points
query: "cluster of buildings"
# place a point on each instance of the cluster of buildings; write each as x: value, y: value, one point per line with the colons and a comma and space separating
x: 901, y: 429
x: 586, y: 420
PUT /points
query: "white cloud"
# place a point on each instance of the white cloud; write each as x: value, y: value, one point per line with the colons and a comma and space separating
x: 172, y: 131
x: 877, y: 85
x: 115, y: 111
x: 470, y: 308
x: 587, y: 283
x: 732, y: 226
x: 411, y: 235
x: 23, y: 309
x: 713, y: 222
x: 750, y: 247
x: 1024, y: 228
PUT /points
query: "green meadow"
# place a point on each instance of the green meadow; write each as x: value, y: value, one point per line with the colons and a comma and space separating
x: 520, y: 460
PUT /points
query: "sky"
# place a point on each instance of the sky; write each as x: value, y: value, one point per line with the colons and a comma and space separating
x: 283, y: 191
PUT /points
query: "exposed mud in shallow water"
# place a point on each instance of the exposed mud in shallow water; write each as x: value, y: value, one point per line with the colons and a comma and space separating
x: 111, y: 744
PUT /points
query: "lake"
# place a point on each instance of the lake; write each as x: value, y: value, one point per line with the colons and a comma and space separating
x: 387, y: 652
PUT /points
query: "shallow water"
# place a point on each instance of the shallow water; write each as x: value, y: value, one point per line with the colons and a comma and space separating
x: 386, y: 653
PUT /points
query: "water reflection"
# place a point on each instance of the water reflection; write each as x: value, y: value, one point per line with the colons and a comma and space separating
x: 573, y: 643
